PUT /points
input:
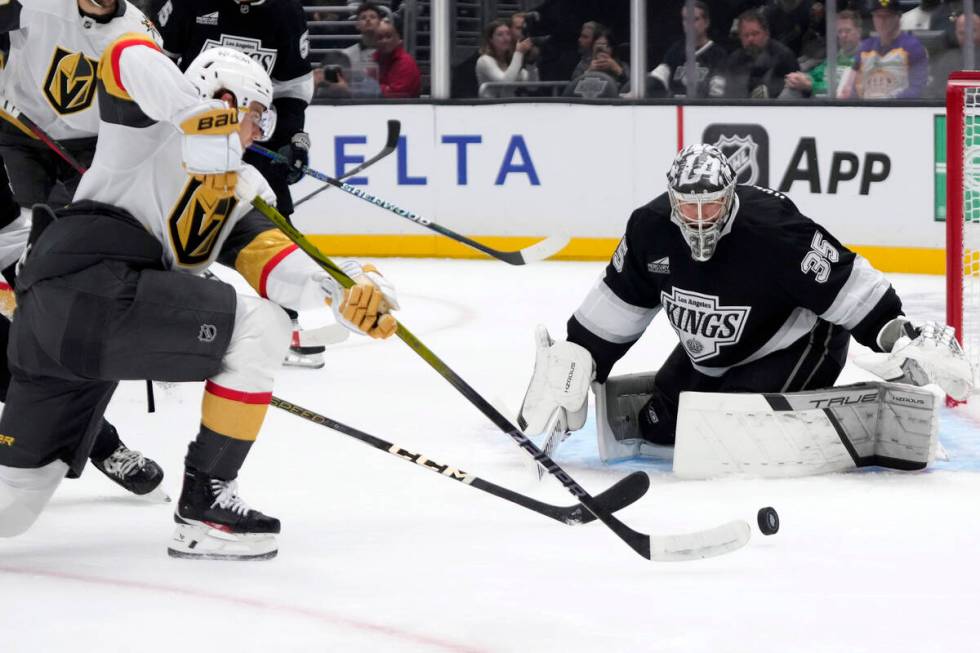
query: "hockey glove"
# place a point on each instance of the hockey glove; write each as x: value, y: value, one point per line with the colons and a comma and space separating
x: 298, y: 154
x: 921, y: 355
x: 561, y: 378
x: 365, y: 307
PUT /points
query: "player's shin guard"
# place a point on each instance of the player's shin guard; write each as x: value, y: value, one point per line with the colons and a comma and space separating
x: 24, y: 493
x: 212, y: 520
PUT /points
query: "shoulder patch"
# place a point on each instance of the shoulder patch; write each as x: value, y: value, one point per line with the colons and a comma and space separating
x: 109, y: 74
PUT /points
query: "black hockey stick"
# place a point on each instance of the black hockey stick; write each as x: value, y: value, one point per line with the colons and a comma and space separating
x: 639, y: 542
x: 626, y: 491
x: 536, y: 252
x: 21, y: 121
x: 394, y: 130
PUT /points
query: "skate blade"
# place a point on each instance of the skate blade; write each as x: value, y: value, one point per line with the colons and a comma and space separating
x: 200, y: 542
x: 308, y: 361
x: 156, y: 495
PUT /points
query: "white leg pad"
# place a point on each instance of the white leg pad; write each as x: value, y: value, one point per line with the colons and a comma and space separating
x: 24, y: 493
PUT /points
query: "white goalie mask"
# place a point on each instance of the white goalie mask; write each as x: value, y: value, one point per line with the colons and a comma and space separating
x: 701, y: 187
x: 226, y: 69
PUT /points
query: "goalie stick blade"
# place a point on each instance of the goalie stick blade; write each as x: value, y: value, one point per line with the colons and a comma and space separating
x: 624, y: 492
x: 701, y: 544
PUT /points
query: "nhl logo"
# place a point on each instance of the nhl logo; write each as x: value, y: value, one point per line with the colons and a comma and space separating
x: 743, y: 154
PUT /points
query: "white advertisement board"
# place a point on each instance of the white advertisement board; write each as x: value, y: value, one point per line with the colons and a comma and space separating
x: 524, y: 170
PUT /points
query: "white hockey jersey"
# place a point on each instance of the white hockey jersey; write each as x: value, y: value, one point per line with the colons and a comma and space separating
x: 51, y: 72
x: 143, y: 97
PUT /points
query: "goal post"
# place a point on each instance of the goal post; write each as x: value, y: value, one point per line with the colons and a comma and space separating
x: 963, y: 211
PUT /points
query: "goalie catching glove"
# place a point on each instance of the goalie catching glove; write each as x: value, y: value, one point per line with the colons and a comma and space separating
x: 364, y: 307
x: 921, y: 355
x: 561, y: 378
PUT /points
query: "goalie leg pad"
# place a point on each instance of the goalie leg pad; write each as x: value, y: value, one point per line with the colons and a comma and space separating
x: 799, y: 434
x: 618, y: 406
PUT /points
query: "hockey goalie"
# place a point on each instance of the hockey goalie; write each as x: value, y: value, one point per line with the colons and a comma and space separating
x: 764, y: 302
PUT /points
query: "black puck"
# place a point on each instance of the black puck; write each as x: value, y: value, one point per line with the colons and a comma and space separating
x: 768, y: 520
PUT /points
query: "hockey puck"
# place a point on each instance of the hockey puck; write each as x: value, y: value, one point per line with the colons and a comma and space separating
x: 768, y: 520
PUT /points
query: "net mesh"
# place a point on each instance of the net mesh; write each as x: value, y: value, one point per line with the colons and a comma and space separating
x: 970, y: 336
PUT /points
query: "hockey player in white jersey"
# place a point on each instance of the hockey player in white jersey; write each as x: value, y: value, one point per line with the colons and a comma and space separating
x: 763, y: 300
x: 50, y: 77
x: 108, y: 292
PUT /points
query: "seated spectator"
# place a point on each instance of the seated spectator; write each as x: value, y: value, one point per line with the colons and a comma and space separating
x: 670, y: 77
x: 604, y: 61
x: 519, y: 31
x: 586, y: 38
x: 952, y: 59
x: 502, y: 61
x: 813, y: 48
x: 920, y: 17
x: 758, y: 69
x: 337, y: 78
x: 788, y: 21
x: 892, y: 64
x: 398, y: 74
x: 369, y: 16
x: 814, y: 81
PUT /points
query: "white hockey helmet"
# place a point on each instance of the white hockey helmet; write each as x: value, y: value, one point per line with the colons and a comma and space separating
x: 701, y: 187
x: 226, y: 69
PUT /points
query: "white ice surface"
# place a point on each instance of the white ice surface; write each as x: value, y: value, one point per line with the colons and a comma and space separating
x: 378, y: 555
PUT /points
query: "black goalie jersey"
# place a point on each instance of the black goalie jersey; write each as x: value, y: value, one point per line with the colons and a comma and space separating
x: 774, y: 274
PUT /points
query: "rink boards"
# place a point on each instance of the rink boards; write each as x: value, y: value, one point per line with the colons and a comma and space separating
x: 511, y: 172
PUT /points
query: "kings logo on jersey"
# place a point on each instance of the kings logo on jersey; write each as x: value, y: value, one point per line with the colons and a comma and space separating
x: 701, y: 324
x: 71, y: 81
x: 266, y: 57
x: 197, y: 218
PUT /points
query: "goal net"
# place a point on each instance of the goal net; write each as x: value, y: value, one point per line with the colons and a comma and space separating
x: 963, y: 211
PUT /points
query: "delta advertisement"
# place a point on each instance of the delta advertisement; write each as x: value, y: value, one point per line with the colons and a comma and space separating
x: 510, y: 173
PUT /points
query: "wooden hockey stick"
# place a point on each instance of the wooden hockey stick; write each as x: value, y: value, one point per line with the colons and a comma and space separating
x: 536, y: 252
x: 639, y: 542
x: 626, y: 491
x: 394, y: 130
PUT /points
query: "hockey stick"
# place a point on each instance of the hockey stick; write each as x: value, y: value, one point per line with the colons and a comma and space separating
x: 536, y: 252
x: 620, y: 495
x: 19, y: 120
x: 639, y: 542
x: 394, y: 130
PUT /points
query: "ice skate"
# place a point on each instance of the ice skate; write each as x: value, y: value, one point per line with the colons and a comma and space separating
x: 214, y: 523
x: 134, y: 472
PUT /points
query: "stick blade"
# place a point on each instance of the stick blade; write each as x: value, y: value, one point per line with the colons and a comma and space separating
x: 394, y: 131
x: 702, y: 544
x: 543, y: 249
x: 624, y: 492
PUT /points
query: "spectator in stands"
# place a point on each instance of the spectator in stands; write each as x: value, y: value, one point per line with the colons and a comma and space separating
x: 920, y: 17
x: 586, y: 38
x: 670, y: 77
x: 758, y: 69
x: 788, y: 21
x: 398, y: 74
x: 369, y: 17
x: 501, y: 60
x: 892, y: 64
x: 519, y: 32
x: 604, y: 61
x: 814, y: 81
x: 952, y: 59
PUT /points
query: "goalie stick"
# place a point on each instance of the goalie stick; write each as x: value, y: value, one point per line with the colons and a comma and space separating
x: 623, y: 493
x: 715, y: 542
x: 536, y: 252
x: 394, y: 130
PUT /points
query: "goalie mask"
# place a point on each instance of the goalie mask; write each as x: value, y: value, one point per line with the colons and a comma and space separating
x: 225, y: 69
x: 701, y: 187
